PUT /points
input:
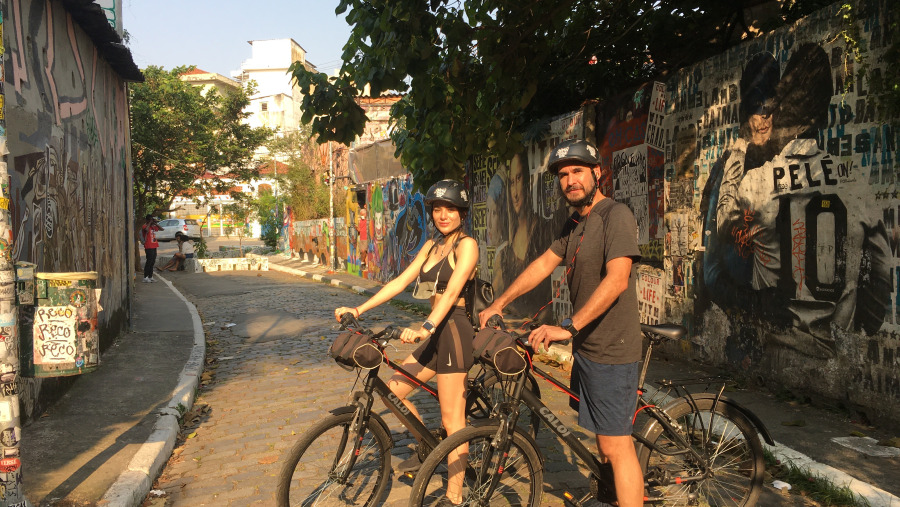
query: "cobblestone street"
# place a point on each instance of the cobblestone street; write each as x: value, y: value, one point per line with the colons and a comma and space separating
x: 269, y: 378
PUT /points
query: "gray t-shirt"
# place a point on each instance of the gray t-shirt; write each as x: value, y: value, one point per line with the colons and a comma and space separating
x: 608, y: 232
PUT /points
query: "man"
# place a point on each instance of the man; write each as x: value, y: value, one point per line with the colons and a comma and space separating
x: 816, y: 236
x: 606, y: 323
x: 148, y: 238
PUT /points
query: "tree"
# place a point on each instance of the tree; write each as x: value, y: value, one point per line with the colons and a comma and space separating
x: 478, y: 76
x: 267, y: 210
x: 180, y: 134
x: 303, y: 188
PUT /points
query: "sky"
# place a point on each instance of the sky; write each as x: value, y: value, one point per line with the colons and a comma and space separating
x: 213, y: 34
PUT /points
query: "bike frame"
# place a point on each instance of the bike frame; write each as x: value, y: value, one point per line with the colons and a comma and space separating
x: 598, y: 469
x: 364, y: 399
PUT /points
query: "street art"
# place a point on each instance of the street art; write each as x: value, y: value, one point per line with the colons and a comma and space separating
x: 782, y: 206
x: 395, y: 228
x: 517, y: 210
x: 69, y: 183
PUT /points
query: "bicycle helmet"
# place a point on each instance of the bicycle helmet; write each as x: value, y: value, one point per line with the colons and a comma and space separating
x: 573, y: 150
x: 450, y: 191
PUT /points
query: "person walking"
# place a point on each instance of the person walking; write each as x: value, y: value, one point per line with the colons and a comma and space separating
x: 442, y: 269
x: 599, y: 246
x: 148, y: 239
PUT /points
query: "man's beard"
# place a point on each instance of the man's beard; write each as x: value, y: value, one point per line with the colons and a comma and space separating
x: 584, y: 201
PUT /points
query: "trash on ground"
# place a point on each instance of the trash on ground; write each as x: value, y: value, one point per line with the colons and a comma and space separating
x: 781, y: 485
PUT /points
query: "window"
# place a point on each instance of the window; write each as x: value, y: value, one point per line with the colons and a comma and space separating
x: 264, y: 107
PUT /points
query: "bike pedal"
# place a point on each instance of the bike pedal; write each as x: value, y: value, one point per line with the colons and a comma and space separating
x: 570, y: 499
x: 409, y: 475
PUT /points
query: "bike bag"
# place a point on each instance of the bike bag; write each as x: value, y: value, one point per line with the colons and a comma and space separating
x: 355, y: 350
x: 499, y: 349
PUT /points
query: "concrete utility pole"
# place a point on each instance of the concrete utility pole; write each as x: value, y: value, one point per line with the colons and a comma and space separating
x: 10, y: 425
x: 331, y: 206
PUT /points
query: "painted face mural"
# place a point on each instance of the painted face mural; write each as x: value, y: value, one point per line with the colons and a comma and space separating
x: 497, y: 214
x: 790, y: 233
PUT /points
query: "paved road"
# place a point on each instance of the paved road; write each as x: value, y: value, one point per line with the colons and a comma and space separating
x: 270, y: 379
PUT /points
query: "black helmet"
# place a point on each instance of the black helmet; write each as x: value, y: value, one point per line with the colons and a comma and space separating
x: 451, y: 191
x: 573, y: 149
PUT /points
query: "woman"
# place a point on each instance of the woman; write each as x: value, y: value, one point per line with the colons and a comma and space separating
x: 524, y: 246
x: 441, y: 270
x: 185, y: 251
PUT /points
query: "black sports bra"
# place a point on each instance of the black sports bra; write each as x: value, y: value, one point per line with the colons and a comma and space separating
x: 439, y: 273
x: 441, y: 276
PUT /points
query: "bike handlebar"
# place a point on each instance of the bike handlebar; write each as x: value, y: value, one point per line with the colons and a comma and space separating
x: 496, y: 321
x: 350, y: 322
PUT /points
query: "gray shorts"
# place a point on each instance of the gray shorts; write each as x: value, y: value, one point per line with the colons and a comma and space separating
x: 608, y: 394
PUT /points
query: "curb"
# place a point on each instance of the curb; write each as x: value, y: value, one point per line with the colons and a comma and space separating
x: 874, y: 496
x: 319, y: 278
x: 134, y: 483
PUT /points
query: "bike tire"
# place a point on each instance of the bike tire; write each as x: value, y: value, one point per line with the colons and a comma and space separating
x: 494, y: 389
x: 734, y: 450
x: 520, y: 483
x: 307, y: 475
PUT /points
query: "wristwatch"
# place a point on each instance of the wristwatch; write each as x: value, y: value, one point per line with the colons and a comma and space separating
x: 428, y: 326
x: 568, y: 326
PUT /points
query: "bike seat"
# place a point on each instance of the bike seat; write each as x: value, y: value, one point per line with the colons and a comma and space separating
x: 670, y: 331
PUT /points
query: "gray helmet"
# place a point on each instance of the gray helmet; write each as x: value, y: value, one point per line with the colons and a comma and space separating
x: 450, y: 191
x: 573, y: 150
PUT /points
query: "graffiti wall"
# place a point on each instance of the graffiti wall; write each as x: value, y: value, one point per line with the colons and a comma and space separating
x: 68, y: 139
x: 516, y: 211
x: 377, y: 240
x: 765, y: 187
x: 781, y: 225
x: 393, y: 227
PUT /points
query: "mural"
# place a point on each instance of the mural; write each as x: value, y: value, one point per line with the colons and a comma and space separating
x: 781, y: 212
x: 517, y: 210
x: 69, y: 184
x: 764, y: 185
x: 376, y: 241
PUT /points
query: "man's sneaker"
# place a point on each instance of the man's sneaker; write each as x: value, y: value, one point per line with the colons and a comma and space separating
x: 151, y: 280
x: 146, y: 280
x: 445, y: 502
x: 411, y: 464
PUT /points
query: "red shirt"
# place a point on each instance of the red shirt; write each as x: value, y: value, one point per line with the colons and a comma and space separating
x: 148, y: 234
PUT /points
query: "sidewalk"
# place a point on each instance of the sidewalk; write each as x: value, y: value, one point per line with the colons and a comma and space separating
x: 106, y: 440
x: 108, y: 437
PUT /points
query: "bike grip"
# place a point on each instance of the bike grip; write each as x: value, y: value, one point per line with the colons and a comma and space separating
x: 495, y: 321
x: 348, y: 320
x: 393, y: 333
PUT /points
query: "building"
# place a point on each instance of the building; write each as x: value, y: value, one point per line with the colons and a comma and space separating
x: 211, y: 81
x: 276, y: 103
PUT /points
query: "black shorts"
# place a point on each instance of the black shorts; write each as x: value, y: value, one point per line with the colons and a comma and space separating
x: 449, y: 350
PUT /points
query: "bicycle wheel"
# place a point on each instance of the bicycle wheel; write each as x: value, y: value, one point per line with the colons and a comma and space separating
x: 311, y: 474
x: 728, y: 441
x: 493, y: 389
x: 519, y: 483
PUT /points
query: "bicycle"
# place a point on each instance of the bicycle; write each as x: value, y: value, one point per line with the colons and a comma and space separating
x: 700, y: 449
x: 359, y: 439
